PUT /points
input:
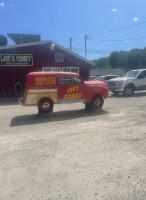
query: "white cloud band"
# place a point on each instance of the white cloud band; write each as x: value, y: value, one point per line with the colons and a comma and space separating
x: 135, y: 19
x: 114, y: 10
x: 2, y: 4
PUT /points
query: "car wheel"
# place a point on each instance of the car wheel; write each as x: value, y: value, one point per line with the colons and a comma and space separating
x: 129, y: 90
x: 97, y: 102
x: 45, y: 106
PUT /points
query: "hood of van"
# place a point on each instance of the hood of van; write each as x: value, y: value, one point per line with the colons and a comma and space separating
x: 99, y: 83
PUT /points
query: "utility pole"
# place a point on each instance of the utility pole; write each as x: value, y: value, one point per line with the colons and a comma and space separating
x: 70, y: 44
x: 86, y: 46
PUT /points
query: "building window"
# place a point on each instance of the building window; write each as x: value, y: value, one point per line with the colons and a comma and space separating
x: 52, y: 69
x: 71, y: 69
x: 64, y: 69
x: 59, y: 57
x: 75, y: 70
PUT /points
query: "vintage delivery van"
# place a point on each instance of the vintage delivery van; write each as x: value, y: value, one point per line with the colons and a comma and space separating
x: 44, y: 89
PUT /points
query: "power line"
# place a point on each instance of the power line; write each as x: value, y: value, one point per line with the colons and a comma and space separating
x: 93, y: 51
x: 78, y: 44
x: 106, y: 40
x: 106, y: 51
x: 113, y: 30
x: 119, y: 40
x: 144, y: 22
x: 64, y: 42
x: 78, y: 38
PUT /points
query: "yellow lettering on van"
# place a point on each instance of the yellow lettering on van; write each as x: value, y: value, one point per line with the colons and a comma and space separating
x: 78, y: 96
x: 65, y: 96
x: 72, y: 96
x: 73, y: 89
x: 45, y: 81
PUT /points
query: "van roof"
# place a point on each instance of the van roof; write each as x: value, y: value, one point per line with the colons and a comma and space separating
x: 42, y: 73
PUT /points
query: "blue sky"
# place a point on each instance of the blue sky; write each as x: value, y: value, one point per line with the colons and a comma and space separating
x: 110, y: 25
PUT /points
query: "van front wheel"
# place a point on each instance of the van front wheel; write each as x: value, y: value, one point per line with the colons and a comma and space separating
x: 45, y: 106
x: 97, y: 102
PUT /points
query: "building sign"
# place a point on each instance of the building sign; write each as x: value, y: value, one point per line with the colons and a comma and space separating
x: 16, y: 60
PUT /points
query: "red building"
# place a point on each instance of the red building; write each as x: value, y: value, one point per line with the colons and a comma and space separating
x: 16, y: 61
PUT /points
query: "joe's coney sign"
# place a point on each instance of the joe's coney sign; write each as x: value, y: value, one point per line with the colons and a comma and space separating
x: 16, y: 60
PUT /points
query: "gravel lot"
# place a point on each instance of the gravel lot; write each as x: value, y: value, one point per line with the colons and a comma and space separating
x: 72, y: 154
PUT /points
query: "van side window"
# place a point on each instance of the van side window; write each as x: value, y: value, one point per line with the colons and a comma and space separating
x: 66, y: 80
x: 142, y: 75
x: 77, y: 80
x: 69, y: 80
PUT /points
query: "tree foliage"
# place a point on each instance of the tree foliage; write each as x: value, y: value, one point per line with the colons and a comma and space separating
x: 101, y: 62
x: 134, y: 59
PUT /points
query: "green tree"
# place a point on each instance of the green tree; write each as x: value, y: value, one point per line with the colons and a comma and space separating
x: 134, y: 59
x: 114, y: 59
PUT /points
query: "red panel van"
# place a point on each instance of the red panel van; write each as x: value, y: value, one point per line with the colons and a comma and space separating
x: 44, y: 89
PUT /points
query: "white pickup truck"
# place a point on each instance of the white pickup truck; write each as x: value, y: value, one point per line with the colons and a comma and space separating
x: 134, y: 80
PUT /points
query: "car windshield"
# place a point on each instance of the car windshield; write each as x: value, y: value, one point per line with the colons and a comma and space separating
x: 98, y: 78
x: 131, y: 73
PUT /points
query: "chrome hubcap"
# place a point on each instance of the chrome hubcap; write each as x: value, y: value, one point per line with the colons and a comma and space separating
x: 97, y: 102
x: 128, y: 91
x: 45, y: 105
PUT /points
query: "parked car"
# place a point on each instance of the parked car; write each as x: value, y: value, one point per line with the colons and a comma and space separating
x: 134, y: 80
x: 44, y: 89
x: 105, y: 78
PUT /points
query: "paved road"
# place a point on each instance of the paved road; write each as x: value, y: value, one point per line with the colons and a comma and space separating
x: 73, y: 154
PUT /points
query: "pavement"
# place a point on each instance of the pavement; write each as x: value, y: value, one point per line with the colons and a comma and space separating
x: 72, y: 154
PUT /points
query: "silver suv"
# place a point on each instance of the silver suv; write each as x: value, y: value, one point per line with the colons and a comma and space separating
x: 105, y: 78
x: 134, y: 80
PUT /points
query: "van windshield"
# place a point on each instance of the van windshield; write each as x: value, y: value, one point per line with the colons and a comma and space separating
x: 131, y: 73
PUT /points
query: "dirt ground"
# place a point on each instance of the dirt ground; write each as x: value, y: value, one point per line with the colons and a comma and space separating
x: 72, y: 154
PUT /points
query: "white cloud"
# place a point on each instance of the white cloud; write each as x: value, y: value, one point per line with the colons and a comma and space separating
x: 114, y: 10
x: 2, y: 4
x: 135, y: 19
x: 116, y: 14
